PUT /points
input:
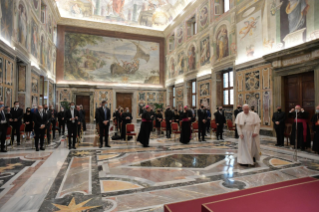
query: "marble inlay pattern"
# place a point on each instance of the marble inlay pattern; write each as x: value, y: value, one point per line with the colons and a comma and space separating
x: 116, y: 185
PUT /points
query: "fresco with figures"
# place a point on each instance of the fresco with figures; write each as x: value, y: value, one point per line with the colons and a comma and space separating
x: 146, y: 14
x: 110, y: 60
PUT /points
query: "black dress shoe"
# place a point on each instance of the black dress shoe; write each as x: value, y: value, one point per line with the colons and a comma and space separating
x: 101, y: 146
x: 18, y: 144
x: 3, y: 150
x: 221, y: 139
x: 74, y: 147
x: 203, y: 140
x: 106, y: 145
x: 145, y: 146
x: 70, y: 147
x: 42, y: 149
x: 37, y: 149
x: 254, y: 160
x: 277, y: 145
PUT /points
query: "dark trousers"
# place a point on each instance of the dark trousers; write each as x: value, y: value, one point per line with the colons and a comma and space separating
x: 72, y: 134
x: 219, y: 131
x: 168, y: 129
x: 39, y: 134
x: 84, y: 125
x: 208, y: 125
x: 79, y: 129
x: 3, y: 131
x: 53, y: 127
x: 280, y: 135
x: 201, y: 130
x: 104, y: 130
x: 48, y: 132
x: 16, y: 130
x: 236, y: 133
x: 62, y: 127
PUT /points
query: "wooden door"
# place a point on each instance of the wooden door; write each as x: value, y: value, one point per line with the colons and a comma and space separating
x: 300, y: 90
x: 85, y: 101
x: 124, y: 100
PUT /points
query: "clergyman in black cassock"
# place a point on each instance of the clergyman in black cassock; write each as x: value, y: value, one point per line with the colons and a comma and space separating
x: 126, y: 119
x: 185, y: 118
x: 40, y: 122
x: 71, y: 116
x: 236, y: 112
x: 303, y: 132
x: 220, y: 121
x: 104, y: 123
x: 279, y: 118
x: 202, y: 119
x: 146, y: 127
x: 169, y: 117
x: 315, y: 127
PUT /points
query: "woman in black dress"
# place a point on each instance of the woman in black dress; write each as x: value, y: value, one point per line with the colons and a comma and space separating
x: 185, y: 118
x: 146, y: 127
x: 28, y: 121
x: 176, y: 116
x: 159, y: 118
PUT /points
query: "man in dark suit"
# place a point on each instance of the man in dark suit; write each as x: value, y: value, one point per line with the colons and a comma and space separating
x: 279, y: 118
x: 40, y: 122
x: 16, y: 115
x: 53, y: 117
x: 80, y: 120
x: 72, y: 116
x: 202, y: 119
x: 4, y: 124
x: 236, y: 112
x: 169, y: 118
x: 47, y: 112
x: 220, y: 121
x: 104, y: 123
x: 61, y: 115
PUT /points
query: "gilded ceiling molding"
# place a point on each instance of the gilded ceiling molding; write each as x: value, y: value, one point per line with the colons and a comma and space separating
x: 109, y: 27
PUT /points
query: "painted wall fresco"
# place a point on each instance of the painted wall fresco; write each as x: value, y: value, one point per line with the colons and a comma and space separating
x: 203, y: 16
x: 35, y: 89
x: 106, y: 59
x: 155, y: 99
x: 254, y: 87
x: 22, y: 78
x: 7, y: 89
x: 205, y: 51
x: 150, y: 14
x: 204, y: 88
x: 179, y: 96
x: 6, y: 19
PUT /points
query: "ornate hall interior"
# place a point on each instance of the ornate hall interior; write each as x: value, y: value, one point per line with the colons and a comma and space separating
x: 121, y: 58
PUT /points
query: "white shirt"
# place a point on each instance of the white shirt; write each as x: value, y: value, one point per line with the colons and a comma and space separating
x: 72, y: 113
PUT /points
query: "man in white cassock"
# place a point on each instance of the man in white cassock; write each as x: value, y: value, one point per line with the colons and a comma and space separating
x: 248, y: 126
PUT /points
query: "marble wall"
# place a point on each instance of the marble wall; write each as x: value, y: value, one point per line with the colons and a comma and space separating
x: 254, y: 87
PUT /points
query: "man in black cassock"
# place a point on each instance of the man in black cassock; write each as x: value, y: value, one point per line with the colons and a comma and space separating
x: 303, y: 132
x: 169, y: 117
x: 202, y: 119
x: 279, y: 118
x: 236, y: 112
x: 315, y: 127
x: 126, y: 119
x: 186, y: 118
x: 220, y: 121
x: 146, y: 127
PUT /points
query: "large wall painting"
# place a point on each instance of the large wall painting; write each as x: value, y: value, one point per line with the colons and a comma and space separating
x: 204, y: 51
x: 191, y: 58
x: 23, y: 29
x: 182, y: 63
x: 222, y: 44
x: 7, y: 19
x: 110, y: 60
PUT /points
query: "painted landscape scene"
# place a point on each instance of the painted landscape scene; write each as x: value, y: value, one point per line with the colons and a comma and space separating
x: 110, y: 60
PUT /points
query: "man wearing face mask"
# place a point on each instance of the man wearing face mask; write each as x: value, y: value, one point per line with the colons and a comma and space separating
x: 315, y: 127
x: 279, y: 118
x: 17, y: 115
x: 61, y: 115
x: 220, y: 121
x: 104, y: 124
x: 202, y: 119
x: 4, y: 124
x: 236, y: 112
x: 72, y: 116
x: 126, y: 119
x: 40, y: 121
x: 303, y: 131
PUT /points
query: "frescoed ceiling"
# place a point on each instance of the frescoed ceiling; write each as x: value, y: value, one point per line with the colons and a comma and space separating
x: 151, y: 14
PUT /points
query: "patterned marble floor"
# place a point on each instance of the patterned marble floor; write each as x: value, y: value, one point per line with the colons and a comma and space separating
x: 128, y: 177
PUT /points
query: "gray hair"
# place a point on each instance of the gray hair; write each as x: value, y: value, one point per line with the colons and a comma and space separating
x: 245, y: 105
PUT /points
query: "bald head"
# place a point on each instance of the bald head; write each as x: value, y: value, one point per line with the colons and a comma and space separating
x: 317, y: 108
